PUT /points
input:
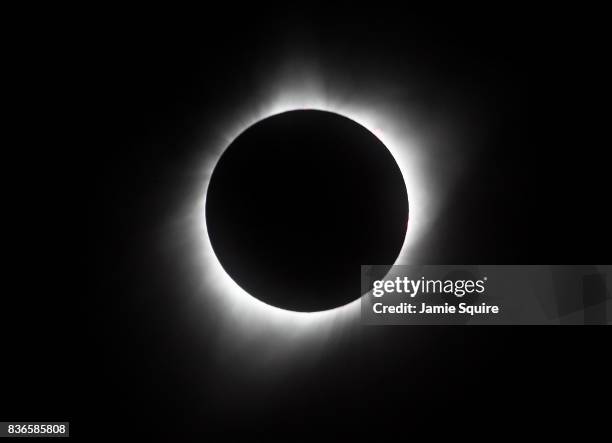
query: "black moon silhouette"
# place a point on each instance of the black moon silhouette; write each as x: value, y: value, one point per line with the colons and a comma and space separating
x: 298, y: 202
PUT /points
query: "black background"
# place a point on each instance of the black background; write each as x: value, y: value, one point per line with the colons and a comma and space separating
x: 96, y: 336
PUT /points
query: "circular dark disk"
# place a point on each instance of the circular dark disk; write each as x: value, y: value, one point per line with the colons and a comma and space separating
x: 298, y: 202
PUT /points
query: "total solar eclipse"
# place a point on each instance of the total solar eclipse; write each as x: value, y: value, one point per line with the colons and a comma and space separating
x: 298, y: 202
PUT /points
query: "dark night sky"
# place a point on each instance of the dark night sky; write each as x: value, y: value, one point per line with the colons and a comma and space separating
x: 533, y: 192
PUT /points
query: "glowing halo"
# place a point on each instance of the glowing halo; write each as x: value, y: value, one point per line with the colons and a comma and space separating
x: 246, y: 314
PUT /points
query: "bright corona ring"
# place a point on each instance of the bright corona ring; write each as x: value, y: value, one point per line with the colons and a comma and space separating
x: 248, y: 312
